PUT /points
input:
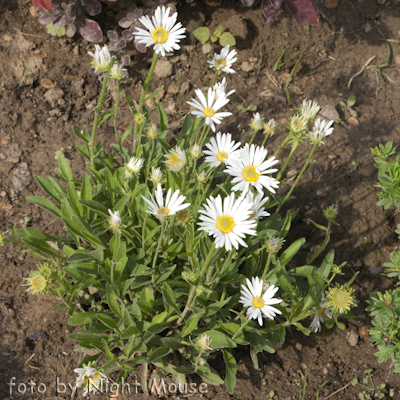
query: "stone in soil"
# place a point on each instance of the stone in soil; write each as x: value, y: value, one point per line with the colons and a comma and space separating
x: 21, y: 177
x: 329, y: 113
x: 331, y: 3
x: 374, y: 270
x: 163, y: 69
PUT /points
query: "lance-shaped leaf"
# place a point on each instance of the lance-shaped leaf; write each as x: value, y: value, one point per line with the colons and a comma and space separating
x: 305, y: 12
x: 90, y: 30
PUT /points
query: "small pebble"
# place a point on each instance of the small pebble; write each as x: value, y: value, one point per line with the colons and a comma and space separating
x: 329, y: 112
x: 47, y: 83
x: 322, y: 193
x: 353, y: 338
x: 298, y: 346
x: 331, y: 3
x: 37, y: 336
x: 303, y: 366
x: 172, y: 89
x: 397, y: 59
x: 367, y: 28
x: 6, y: 140
x: 374, y: 270
x: 7, y: 37
x: 353, y: 121
x: 363, y: 331
x: 325, y: 371
x: 284, y: 78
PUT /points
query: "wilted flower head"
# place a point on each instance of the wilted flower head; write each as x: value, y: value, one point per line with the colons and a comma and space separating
x: 90, y: 378
x: 202, y: 177
x: 118, y: 72
x: 309, y: 109
x: 183, y: 216
x: 205, y: 342
x: 224, y: 61
x: 162, y: 31
x: 257, y: 122
x: 340, y: 299
x: 259, y: 302
x: 176, y: 159
x: 270, y: 127
x: 134, y: 166
x: 115, y: 219
x: 38, y: 281
x: 102, y: 59
x: 152, y: 131
x: 315, y: 325
x: 320, y: 131
x: 297, y: 124
x: 220, y: 90
x: 156, y: 175
x: 139, y: 118
x: 195, y: 151
x: 330, y: 213
x: 274, y: 243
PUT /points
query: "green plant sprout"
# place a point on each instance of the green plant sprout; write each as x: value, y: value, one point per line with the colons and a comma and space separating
x: 279, y: 64
x: 371, y: 391
x: 251, y: 108
x: 26, y: 72
x: 377, y: 69
x: 203, y: 34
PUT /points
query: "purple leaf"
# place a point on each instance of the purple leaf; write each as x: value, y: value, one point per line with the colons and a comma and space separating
x: 93, y: 7
x: 112, y: 0
x: 46, y: 4
x: 305, y: 12
x: 121, y: 44
x: 137, y: 13
x: 70, y: 30
x: 125, y: 23
x: 112, y: 36
x: 270, y: 8
x: 125, y: 60
x: 70, y: 17
x: 47, y: 19
x: 90, y: 30
x: 248, y: 3
x: 140, y: 47
x: 58, y: 23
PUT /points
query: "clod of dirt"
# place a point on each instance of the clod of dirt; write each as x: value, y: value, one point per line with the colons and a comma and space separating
x: 367, y: 28
x: 5, y: 207
x: 325, y: 371
x: 248, y: 65
x: 331, y: 3
x: 353, y: 338
x: 163, y: 69
x: 53, y: 95
x: 13, y: 160
x: 353, y: 121
x: 374, y: 270
x: 363, y: 331
x: 47, y: 83
x: 397, y: 59
x: 299, y: 346
x: 284, y: 79
x: 21, y: 177
x: 172, y: 89
x: 295, y: 90
x: 329, y: 113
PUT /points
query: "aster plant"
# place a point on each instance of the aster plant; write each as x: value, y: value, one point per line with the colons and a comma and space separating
x: 158, y: 264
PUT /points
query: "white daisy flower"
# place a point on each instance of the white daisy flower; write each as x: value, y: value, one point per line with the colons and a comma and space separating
x: 115, y: 219
x: 250, y: 168
x: 309, y: 109
x: 224, y: 61
x: 220, y: 89
x: 90, y: 378
x: 228, y: 222
x: 152, y: 131
x: 221, y: 150
x: 173, y: 203
x: 257, y: 122
x: 134, y: 166
x: 257, y: 209
x: 176, y: 159
x: 156, y: 175
x: 208, y: 107
x: 102, y: 59
x: 163, y: 31
x: 118, y: 72
x: 321, y: 130
x: 259, y: 303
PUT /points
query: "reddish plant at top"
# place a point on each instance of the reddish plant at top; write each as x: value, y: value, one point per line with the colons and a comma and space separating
x: 305, y: 12
x: 46, y: 4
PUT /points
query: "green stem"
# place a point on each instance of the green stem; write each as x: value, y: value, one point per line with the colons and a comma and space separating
x: 299, y: 176
x: 294, y: 147
x: 96, y: 118
x: 240, y: 329
x: 115, y: 116
x: 284, y: 143
x: 153, y: 268
x: 266, y: 266
x: 207, y: 261
x: 144, y: 378
x: 215, y: 78
x: 224, y: 267
x: 265, y: 139
x: 188, y: 305
x: 207, y: 188
x: 252, y: 138
x: 147, y: 82
x: 323, y: 245
x: 184, y: 173
x: 149, y: 161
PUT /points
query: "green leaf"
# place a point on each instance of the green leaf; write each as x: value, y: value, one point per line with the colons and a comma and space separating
x: 259, y: 342
x: 41, y: 246
x: 31, y: 232
x: 74, y: 199
x: 169, y: 297
x: 96, y: 207
x: 202, y: 34
x: 210, y: 376
x: 48, y: 188
x: 163, y: 117
x: 351, y: 101
x: 227, y: 38
x: 82, y: 318
x: 112, y: 301
x: 129, y: 332
x: 191, y: 324
x: 159, y: 353
x: 46, y: 204
x: 206, y: 48
x: 231, y: 370
x: 80, y: 135
x: 126, y: 133
x: 107, y: 320
x: 220, y: 340
x: 65, y: 168
x: 291, y: 251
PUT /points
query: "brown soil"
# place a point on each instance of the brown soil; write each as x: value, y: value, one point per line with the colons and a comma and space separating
x: 33, y: 340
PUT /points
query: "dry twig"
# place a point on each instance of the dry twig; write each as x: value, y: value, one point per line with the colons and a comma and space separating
x: 360, y: 71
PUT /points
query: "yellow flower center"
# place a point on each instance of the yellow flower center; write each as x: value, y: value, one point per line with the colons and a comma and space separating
x: 297, y: 125
x: 183, y: 216
x: 221, y: 63
x: 225, y: 224
x: 176, y: 161
x: 163, y: 211
x: 222, y: 156
x: 139, y: 118
x: 341, y: 299
x: 160, y: 35
x: 250, y: 174
x: 39, y: 283
x: 258, y: 302
x: 209, y: 112
x: 252, y: 215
